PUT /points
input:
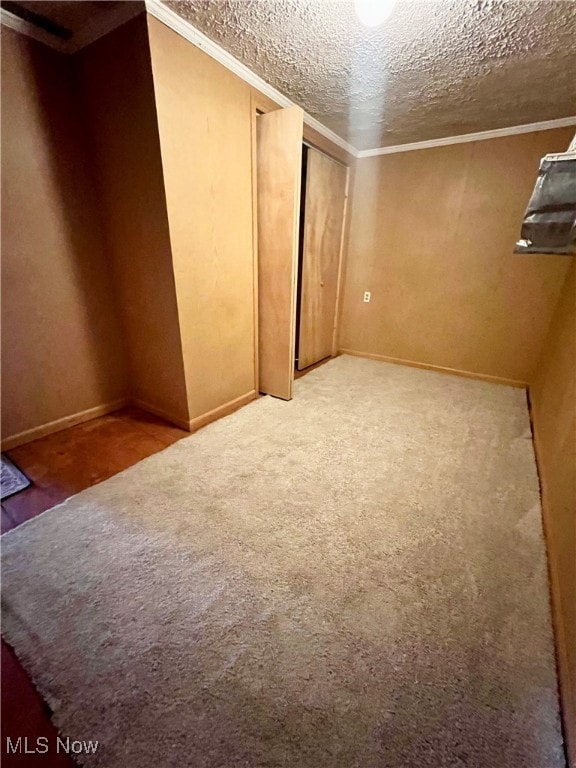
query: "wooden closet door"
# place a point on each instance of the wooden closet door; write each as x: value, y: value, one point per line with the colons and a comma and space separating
x: 326, y: 185
x: 278, y: 174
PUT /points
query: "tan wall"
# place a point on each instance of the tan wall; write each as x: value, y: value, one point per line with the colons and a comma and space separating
x: 61, y: 347
x: 116, y: 80
x: 204, y: 120
x: 553, y: 396
x: 432, y: 233
x: 179, y: 239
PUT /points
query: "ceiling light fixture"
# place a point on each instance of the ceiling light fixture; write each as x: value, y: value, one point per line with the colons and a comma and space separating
x: 372, y: 13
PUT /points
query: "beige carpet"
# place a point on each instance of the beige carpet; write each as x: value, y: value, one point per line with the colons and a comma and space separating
x: 354, y: 579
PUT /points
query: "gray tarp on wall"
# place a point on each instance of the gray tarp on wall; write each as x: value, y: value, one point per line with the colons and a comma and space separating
x: 549, y: 224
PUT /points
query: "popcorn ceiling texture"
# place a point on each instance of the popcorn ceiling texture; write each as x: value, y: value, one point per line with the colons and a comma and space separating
x: 434, y: 69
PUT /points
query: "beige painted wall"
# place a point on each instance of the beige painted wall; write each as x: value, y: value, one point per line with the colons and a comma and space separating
x: 165, y: 285
x: 432, y: 233
x: 116, y: 80
x: 553, y: 396
x: 61, y: 347
x: 204, y: 121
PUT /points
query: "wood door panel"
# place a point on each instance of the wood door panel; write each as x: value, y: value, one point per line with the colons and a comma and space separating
x: 279, y: 158
x: 326, y: 182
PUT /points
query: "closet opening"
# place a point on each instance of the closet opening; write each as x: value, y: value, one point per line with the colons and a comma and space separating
x: 324, y: 186
x: 301, y: 204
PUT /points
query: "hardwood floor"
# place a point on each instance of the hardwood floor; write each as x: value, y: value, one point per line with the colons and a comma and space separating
x: 59, y: 466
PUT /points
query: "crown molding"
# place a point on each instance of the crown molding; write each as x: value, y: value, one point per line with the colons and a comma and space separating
x: 546, y: 125
x: 185, y: 29
x: 14, y: 22
x: 188, y: 31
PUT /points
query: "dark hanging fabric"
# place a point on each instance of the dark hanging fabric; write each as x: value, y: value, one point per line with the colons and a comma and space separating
x: 549, y: 224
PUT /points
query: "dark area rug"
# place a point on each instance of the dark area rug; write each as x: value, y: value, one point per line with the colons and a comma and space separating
x: 12, y: 480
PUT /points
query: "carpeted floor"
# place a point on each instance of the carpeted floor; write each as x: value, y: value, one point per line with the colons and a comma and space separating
x: 354, y: 579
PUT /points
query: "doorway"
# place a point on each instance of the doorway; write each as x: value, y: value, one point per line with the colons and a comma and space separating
x: 301, y: 204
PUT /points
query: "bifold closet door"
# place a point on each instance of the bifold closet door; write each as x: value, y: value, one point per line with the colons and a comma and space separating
x: 324, y: 207
x: 278, y: 174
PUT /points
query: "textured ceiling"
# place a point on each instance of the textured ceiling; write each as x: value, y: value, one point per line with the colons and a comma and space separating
x: 436, y: 68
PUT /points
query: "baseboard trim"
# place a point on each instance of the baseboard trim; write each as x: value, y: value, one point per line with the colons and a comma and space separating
x: 154, y: 409
x: 43, y: 430
x: 222, y: 410
x: 58, y: 425
x: 567, y: 694
x: 437, y: 368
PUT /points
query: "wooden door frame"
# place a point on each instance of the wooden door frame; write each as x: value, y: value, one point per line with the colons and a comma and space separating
x: 260, y: 105
x: 279, y: 137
